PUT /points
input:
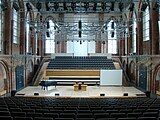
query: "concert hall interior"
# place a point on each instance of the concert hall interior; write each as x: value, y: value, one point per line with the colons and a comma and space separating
x: 80, y: 59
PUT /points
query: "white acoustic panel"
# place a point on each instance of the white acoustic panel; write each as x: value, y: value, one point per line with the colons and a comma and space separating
x: 111, y: 77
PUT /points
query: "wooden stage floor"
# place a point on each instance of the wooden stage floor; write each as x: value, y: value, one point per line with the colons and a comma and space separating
x: 92, y: 91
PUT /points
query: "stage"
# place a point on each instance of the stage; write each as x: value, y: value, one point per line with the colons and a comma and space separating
x: 91, y: 91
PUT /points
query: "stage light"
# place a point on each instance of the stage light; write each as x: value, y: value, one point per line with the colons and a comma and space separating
x: 15, y: 6
x: 144, y: 6
x: 155, y: 6
x: 39, y: 6
x: 131, y: 7
x: 112, y: 6
x: 80, y: 34
x: 73, y: 6
x: 86, y: 6
x: 56, y: 6
x: 3, y: 7
x: 47, y: 33
x: 112, y: 25
x: 112, y: 34
x: 48, y: 26
x: 29, y: 7
x: 103, y: 6
x: 47, y: 6
x: 120, y: 5
x: 125, y: 94
x: 65, y: 6
x: 80, y: 24
x: 95, y: 6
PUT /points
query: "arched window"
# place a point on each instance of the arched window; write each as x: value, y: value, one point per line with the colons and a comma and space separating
x: 134, y: 33
x: 1, y: 26
x: 146, y: 19
x: 16, y: 23
x: 112, y: 37
x: 50, y: 38
x: 27, y: 33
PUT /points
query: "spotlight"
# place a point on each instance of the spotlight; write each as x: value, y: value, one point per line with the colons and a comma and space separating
x: 80, y: 24
x: 112, y: 6
x: 80, y: 34
x: 112, y: 34
x: 95, y: 6
x: 3, y: 7
x: 65, y: 6
x: 120, y: 5
x: 131, y: 7
x: 39, y: 6
x: 73, y: 6
x: 48, y: 26
x: 47, y: 6
x: 29, y: 7
x: 80, y: 42
x: 103, y: 5
x: 15, y: 6
x: 86, y: 6
x: 56, y: 6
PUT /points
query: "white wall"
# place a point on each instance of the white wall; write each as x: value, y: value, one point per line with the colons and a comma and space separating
x: 80, y: 49
x: 111, y: 77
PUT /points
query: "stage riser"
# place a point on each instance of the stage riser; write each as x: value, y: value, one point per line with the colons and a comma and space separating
x: 73, y: 73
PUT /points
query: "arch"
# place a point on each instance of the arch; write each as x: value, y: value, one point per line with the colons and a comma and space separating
x: 49, y: 18
x: 124, y: 65
x: 30, y: 71
x: 143, y: 76
x: 4, y: 76
x: 156, y: 78
x: 132, y: 71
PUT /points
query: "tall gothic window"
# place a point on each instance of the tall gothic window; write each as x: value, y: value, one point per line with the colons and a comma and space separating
x: 146, y: 19
x: 134, y: 33
x: 15, y: 26
x: 112, y: 37
x: 50, y: 38
x: 1, y: 26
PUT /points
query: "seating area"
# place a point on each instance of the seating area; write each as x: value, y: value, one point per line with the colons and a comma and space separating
x: 48, y: 108
x: 89, y: 62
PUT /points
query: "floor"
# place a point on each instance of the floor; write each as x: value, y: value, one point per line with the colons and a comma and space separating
x: 92, y: 91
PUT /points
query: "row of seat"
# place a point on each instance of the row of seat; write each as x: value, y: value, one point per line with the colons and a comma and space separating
x: 81, y: 63
x: 39, y: 108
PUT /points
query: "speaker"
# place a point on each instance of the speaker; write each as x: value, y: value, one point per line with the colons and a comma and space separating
x: 80, y: 34
x: 112, y: 25
x: 56, y: 94
x: 125, y: 94
x: 13, y: 93
x: 47, y: 33
x: 36, y: 94
x: 112, y: 34
x: 48, y: 26
x: 148, y: 94
x: 102, y: 94
x: 80, y: 24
